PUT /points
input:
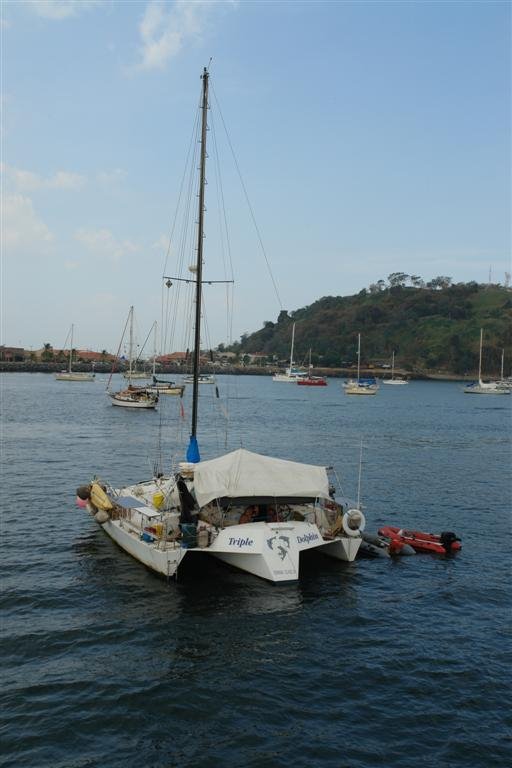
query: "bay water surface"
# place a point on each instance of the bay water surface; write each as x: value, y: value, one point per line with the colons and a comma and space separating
x: 398, y: 663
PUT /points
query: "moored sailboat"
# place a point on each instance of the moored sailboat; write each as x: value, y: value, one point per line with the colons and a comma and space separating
x: 70, y: 374
x: 309, y: 380
x: 360, y: 386
x: 392, y: 380
x: 254, y: 512
x: 292, y: 374
x: 132, y: 396
x: 485, y: 387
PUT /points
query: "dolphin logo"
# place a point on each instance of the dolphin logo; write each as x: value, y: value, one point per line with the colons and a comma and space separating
x: 280, y: 545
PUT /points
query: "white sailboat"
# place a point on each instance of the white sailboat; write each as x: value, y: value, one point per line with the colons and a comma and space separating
x: 292, y: 374
x: 392, y: 380
x: 70, y: 374
x: 254, y: 512
x: 132, y: 396
x: 504, y: 383
x: 163, y: 386
x: 484, y: 387
x: 360, y: 386
x: 203, y: 378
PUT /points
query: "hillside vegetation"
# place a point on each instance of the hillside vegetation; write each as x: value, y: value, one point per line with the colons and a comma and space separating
x: 430, y: 327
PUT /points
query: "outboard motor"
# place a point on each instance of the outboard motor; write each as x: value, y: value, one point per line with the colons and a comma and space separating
x: 447, y: 538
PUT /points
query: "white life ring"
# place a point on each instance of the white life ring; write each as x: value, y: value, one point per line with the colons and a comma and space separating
x: 353, y: 522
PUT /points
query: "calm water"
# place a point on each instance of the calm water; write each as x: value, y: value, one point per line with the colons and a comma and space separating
x: 373, y: 663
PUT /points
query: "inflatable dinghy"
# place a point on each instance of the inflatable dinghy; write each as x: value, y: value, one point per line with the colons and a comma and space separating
x: 443, y: 543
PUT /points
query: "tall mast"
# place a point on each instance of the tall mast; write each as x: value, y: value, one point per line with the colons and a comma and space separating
x: 199, y: 264
x: 358, y: 354
x: 154, y: 351
x: 291, y: 350
x: 71, y: 348
x: 130, y: 353
x: 480, y: 358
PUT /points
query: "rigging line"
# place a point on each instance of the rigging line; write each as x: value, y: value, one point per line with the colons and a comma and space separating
x: 224, y: 230
x: 338, y: 481
x: 359, y: 478
x: 249, y: 204
x: 141, y: 350
x: 66, y: 340
x: 223, y: 226
x: 185, y: 185
x: 118, y: 352
x: 181, y: 188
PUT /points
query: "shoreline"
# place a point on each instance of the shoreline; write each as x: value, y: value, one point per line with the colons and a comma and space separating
x: 17, y: 367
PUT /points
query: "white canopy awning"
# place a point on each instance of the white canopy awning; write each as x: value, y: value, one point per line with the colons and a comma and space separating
x: 242, y: 474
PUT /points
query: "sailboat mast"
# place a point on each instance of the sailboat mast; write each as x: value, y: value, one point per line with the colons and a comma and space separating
x: 291, y: 350
x: 480, y: 357
x: 358, y: 354
x: 154, y: 350
x: 71, y: 348
x: 130, y: 354
x: 393, y: 366
x: 199, y: 265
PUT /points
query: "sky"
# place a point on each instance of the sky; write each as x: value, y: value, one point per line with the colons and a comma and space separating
x: 370, y: 137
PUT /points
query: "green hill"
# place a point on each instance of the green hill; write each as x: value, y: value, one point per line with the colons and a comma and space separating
x: 433, y: 327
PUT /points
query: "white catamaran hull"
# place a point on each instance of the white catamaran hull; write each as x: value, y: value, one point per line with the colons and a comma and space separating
x: 268, y: 550
x: 163, y: 561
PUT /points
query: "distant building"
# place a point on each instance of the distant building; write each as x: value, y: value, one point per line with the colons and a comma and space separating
x: 12, y: 354
x: 175, y: 358
x: 257, y: 358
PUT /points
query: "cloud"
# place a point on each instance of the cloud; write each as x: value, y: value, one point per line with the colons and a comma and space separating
x: 111, y: 178
x: 27, y: 181
x: 22, y: 228
x: 102, y: 243
x: 56, y: 10
x: 166, y: 29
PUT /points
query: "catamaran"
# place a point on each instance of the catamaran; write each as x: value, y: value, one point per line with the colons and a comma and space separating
x: 254, y: 512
